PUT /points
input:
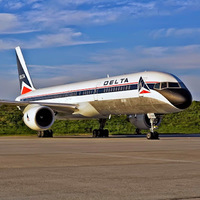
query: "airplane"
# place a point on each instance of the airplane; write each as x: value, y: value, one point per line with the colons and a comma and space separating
x: 144, y: 97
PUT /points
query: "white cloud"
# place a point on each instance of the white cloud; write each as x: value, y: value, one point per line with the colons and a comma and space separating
x: 183, y: 4
x: 153, y: 58
x: 14, y: 5
x: 8, y: 21
x: 8, y: 44
x: 23, y: 31
x: 65, y: 37
x: 174, y: 32
x: 55, y: 17
x: 154, y: 51
x: 52, y: 19
x: 60, y: 14
x: 120, y: 61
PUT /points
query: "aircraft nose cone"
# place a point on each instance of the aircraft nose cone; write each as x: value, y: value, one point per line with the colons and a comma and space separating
x: 180, y: 98
x: 183, y: 98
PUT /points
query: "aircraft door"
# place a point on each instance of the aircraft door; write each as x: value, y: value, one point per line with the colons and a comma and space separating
x: 96, y: 91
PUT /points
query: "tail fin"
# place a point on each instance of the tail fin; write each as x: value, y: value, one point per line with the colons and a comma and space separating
x: 25, y: 81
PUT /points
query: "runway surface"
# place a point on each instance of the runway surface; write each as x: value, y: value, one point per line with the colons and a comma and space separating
x: 94, y: 168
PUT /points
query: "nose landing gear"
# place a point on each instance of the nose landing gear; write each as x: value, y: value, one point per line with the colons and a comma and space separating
x: 152, y: 134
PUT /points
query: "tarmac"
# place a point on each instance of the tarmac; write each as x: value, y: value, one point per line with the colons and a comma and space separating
x: 120, y: 167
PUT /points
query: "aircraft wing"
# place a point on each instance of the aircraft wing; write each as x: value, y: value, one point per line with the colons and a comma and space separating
x: 58, y: 107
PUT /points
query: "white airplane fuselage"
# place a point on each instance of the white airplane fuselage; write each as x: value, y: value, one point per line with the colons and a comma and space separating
x: 137, y: 93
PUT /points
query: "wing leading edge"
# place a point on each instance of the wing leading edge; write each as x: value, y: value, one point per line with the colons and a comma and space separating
x: 64, y: 108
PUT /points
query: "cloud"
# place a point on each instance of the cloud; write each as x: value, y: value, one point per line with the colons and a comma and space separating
x: 119, y: 61
x: 59, y: 14
x: 174, y: 32
x: 46, y: 19
x: 175, y: 59
x: 64, y: 37
x: 14, y: 5
x: 8, y: 44
x: 17, y: 4
x: 11, y: 24
x: 182, y: 4
x: 8, y: 21
x: 84, y: 12
x: 53, y: 19
x: 18, y: 32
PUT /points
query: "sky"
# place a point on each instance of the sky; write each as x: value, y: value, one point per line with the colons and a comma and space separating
x: 66, y: 41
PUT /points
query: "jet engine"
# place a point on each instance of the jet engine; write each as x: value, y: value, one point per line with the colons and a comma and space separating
x: 142, y: 121
x: 38, y: 117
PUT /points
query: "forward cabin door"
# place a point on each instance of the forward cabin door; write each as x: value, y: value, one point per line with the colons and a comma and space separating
x: 96, y: 91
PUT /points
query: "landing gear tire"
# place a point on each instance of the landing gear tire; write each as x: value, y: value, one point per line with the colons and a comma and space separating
x: 149, y: 136
x: 97, y: 133
x: 50, y: 133
x: 46, y: 133
x: 39, y: 133
x: 137, y: 131
x: 152, y: 136
x: 101, y: 132
x: 156, y: 135
x: 106, y: 133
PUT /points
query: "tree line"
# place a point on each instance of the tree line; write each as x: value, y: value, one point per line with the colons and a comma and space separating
x: 187, y: 121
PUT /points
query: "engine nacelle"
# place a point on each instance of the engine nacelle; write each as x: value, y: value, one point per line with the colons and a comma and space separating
x: 38, y: 117
x: 142, y: 121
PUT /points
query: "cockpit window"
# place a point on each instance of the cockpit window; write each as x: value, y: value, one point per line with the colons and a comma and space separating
x: 164, y: 85
x: 182, y: 85
x: 173, y: 85
x: 157, y: 86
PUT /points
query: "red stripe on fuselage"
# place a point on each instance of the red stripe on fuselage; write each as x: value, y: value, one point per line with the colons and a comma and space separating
x: 85, y: 89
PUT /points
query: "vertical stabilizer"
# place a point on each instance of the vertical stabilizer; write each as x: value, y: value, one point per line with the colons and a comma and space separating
x: 25, y: 81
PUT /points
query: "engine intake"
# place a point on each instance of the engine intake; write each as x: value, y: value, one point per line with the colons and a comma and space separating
x: 142, y: 121
x: 38, y: 117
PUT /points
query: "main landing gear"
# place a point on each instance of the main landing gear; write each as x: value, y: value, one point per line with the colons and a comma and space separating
x: 46, y: 133
x: 138, y: 131
x: 152, y: 134
x: 101, y: 132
